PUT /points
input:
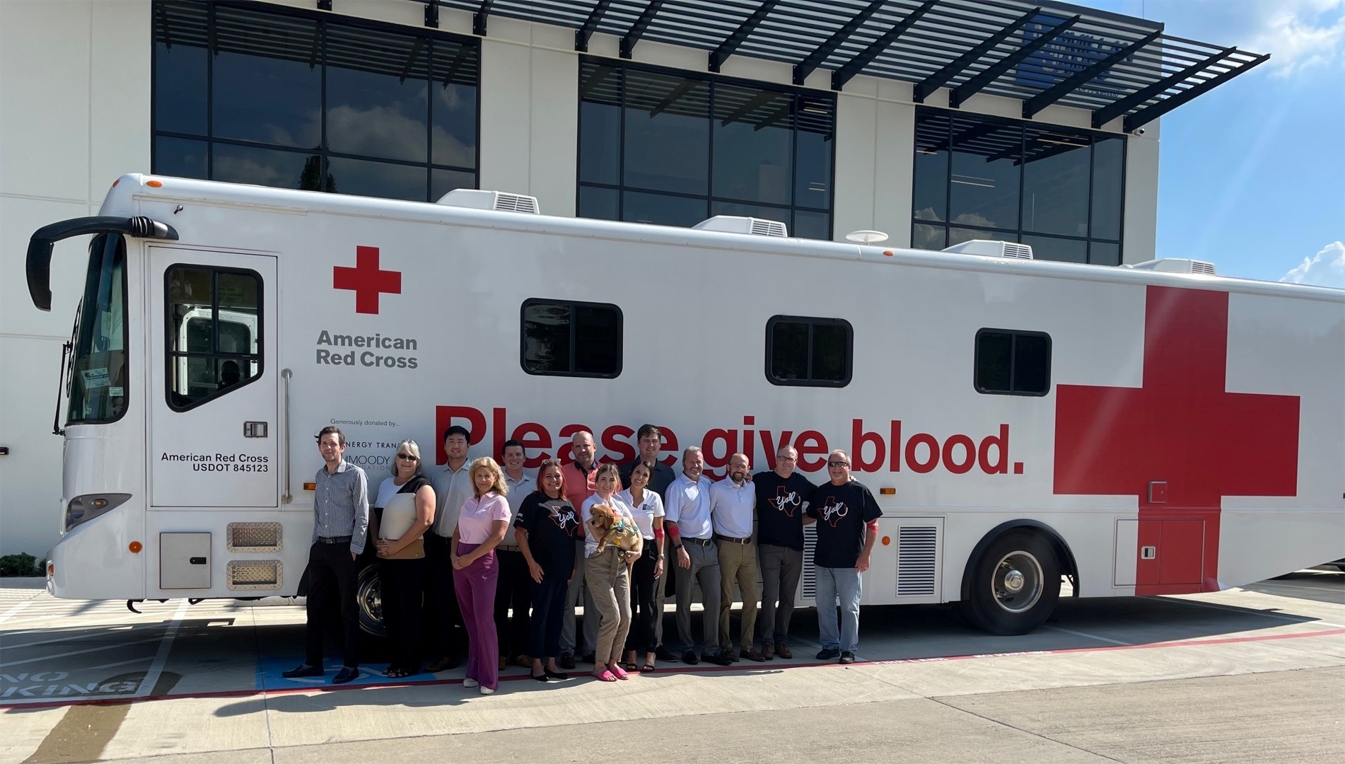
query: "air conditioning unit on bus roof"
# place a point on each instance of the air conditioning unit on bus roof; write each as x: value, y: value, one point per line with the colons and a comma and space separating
x: 1175, y: 265
x: 739, y: 224
x: 490, y: 200
x: 987, y: 248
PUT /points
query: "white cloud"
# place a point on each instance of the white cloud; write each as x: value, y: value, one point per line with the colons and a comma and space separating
x: 1326, y: 268
x: 1297, y: 34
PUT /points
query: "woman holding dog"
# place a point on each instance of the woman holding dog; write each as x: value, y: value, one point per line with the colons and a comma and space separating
x: 648, y: 510
x: 481, y: 527
x: 546, y: 529
x: 607, y: 574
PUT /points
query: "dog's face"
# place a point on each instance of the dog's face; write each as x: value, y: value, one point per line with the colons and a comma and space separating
x: 602, y: 516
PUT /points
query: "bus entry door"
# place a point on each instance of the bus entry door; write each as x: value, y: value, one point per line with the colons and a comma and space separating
x: 214, y: 379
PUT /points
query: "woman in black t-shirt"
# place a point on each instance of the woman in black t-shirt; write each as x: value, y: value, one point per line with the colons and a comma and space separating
x: 546, y: 529
x: 403, y: 510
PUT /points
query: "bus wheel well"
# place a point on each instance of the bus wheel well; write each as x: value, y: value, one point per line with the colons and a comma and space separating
x: 1063, y: 554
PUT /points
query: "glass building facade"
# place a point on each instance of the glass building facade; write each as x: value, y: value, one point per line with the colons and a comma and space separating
x: 1057, y: 189
x: 674, y: 148
x: 296, y: 99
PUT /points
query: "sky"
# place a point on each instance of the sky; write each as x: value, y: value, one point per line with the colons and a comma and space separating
x: 1252, y: 173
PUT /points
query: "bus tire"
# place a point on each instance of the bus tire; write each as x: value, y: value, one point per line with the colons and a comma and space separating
x: 1015, y: 584
x: 369, y: 601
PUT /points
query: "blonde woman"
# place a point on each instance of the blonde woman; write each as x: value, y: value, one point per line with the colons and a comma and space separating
x: 482, y: 524
x: 403, y: 511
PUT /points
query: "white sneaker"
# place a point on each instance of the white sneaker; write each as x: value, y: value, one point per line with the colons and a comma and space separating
x: 486, y: 691
x: 469, y: 683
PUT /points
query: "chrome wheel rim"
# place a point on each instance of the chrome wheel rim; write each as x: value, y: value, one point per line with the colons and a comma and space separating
x: 1017, y: 582
x: 369, y: 598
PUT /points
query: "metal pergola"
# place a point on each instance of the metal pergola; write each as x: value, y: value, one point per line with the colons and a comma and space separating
x: 1040, y: 53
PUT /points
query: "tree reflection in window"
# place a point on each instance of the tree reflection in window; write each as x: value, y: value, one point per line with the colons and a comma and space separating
x: 571, y: 338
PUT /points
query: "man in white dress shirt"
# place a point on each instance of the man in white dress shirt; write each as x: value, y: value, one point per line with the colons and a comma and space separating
x: 697, y: 558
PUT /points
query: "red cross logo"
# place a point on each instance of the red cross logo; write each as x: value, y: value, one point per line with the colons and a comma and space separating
x: 786, y: 501
x: 1180, y: 443
x: 366, y: 280
x: 833, y: 511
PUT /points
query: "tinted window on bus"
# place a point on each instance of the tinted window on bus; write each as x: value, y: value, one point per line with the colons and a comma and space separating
x: 814, y: 352
x: 214, y: 327
x: 1013, y: 363
x: 571, y: 339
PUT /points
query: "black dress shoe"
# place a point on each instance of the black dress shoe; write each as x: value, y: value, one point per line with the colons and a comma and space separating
x: 557, y: 675
x: 828, y: 653
x: 847, y: 657
x: 689, y: 658
x: 346, y: 674
x: 302, y: 671
x: 665, y: 655
x: 719, y: 659
x: 442, y: 664
x: 590, y: 658
x: 567, y: 661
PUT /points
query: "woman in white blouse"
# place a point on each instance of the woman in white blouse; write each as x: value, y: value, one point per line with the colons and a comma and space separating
x: 403, y: 510
x: 647, y: 507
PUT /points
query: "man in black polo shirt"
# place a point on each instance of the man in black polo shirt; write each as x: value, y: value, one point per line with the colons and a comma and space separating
x: 781, y: 494
x: 651, y: 442
x: 847, y: 526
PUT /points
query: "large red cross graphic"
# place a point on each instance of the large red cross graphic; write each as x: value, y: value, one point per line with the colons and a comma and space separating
x: 1180, y: 443
x: 366, y: 280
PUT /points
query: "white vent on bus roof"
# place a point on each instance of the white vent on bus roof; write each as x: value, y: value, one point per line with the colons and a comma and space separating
x: 738, y: 224
x: 1176, y: 265
x: 491, y: 200
x: 989, y: 248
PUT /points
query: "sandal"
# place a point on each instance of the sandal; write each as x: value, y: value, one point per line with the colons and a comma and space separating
x: 397, y: 673
x: 605, y: 676
x: 620, y: 673
x: 647, y: 668
x: 629, y: 666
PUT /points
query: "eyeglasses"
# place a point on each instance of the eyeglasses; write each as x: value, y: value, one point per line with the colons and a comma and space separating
x: 550, y: 463
x: 838, y: 464
x: 407, y: 457
x: 785, y: 459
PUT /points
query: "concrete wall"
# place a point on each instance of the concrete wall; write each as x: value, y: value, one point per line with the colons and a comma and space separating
x: 75, y: 114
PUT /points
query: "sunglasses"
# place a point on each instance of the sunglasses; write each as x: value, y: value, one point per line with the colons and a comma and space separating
x: 838, y: 464
x: 407, y: 457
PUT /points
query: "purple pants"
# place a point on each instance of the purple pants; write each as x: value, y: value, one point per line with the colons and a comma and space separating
x: 475, y: 587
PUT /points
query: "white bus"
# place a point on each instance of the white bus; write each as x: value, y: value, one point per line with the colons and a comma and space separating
x: 1139, y: 431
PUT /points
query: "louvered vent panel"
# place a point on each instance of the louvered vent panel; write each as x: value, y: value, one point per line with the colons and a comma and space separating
x: 516, y: 203
x: 254, y: 574
x: 768, y: 228
x: 1017, y: 250
x: 1202, y: 267
x: 254, y: 537
x: 917, y: 560
x: 809, y: 572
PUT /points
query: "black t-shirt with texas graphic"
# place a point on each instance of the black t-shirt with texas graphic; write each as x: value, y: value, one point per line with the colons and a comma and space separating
x: 551, y: 525
x: 780, y: 508
x: 841, y: 512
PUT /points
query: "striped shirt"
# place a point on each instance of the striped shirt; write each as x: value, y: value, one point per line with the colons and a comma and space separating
x: 341, y: 505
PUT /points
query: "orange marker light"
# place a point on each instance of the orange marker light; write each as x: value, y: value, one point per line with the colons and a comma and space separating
x: 51, y: 568
x: 135, y: 547
x: 310, y: 486
x: 887, y: 492
x: 154, y: 183
x: 887, y: 540
x: 888, y: 252
x: 115, y: 182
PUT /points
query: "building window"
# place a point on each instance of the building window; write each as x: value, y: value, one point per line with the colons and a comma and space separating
x: 812, y: 352
x: 571, y: 339
x: 1056, y: 189
x: 1013, y: 363
x: 674, y: 148
x: 214, y: 332
x: 295, y: 99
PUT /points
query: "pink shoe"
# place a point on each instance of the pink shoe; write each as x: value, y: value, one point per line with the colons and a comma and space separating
x: 620, y: 674
x: 605, y: 676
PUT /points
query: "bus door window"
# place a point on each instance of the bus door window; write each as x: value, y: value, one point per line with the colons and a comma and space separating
x: 214, y: 332
x: 98, y: 381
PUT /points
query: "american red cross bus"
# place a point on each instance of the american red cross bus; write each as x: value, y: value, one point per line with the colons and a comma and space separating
x: 1134, y: 431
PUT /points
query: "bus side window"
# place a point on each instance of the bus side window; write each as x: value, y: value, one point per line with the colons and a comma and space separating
x: 809, y: 352
x: 1013, y: 362
x: 571, y: 339
x: 214, y: 326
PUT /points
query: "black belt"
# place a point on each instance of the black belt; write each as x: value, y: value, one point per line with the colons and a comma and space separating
x: 732, y: 540
x: 699, y: 542
x: 333, y: 539
x: 509, y: 549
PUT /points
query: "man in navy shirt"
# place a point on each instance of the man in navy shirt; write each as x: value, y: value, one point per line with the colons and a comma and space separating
x: 781, y: 494
x: 847, y: 526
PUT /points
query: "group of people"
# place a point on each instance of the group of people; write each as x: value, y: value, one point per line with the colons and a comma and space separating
x: 510, y: 556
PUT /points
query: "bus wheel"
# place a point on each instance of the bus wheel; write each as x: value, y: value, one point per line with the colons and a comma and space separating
x: 1015, y: 584
x: 369, y: 599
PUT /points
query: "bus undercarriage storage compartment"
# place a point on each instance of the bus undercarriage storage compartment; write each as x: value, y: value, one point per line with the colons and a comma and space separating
x: 1138, y: 431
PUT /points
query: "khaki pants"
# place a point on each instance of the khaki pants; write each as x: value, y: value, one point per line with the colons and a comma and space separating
x: 738, y: 562
x: 608, y: 580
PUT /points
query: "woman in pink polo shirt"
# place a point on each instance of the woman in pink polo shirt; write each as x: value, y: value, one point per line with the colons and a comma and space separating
x: 482, y: 524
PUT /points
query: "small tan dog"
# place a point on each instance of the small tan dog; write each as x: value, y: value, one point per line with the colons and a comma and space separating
x: 610, y: 528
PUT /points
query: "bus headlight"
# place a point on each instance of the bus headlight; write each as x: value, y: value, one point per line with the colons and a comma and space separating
x: 82, y: 509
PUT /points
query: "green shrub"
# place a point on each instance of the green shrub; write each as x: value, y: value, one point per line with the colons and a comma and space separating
x: 15, y: 565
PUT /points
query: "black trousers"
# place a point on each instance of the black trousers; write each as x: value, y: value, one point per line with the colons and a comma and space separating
x: 514, y: 590
x: 644, y: 591
x: 403, y: 594
x: 443, y: 617
x: 332, y: 578
x: 548, y: 613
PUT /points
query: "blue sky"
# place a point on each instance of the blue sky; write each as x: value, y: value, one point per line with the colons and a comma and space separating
x: 1252, y: 174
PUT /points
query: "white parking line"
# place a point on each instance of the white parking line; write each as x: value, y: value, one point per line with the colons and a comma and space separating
x: 161, y: 657
x: 1086, y: 635
x: 19, y: 608
x: 100, y: 648
x: 118, y: 663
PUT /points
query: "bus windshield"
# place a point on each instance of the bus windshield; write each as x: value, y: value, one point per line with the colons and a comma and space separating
x: 98, y: 380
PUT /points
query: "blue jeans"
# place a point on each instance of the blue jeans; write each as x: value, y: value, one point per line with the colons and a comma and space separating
x: 845, y: 583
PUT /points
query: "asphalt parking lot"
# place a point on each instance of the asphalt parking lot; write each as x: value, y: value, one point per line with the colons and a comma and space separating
x: 1251, y: 674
